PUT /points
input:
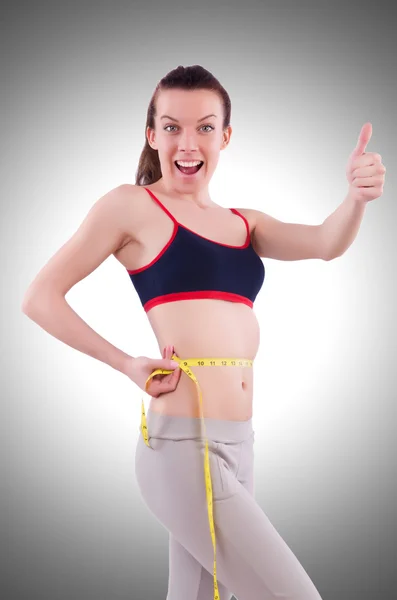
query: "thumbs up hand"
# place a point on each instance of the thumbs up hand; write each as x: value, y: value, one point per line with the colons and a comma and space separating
x: 365, y: 171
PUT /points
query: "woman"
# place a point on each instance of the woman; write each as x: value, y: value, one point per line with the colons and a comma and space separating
x: 197, y: 269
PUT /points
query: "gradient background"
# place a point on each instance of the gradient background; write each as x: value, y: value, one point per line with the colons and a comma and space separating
x: 303, y: 79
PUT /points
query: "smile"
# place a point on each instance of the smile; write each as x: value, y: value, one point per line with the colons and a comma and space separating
x: 189, y: 170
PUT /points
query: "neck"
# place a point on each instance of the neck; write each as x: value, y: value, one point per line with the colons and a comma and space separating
x: 199, y: 198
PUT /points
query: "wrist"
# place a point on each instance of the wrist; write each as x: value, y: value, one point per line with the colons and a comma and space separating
x: 354, y: 197
x: 123, y: 363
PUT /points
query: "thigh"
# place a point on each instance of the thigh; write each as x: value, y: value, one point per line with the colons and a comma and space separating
x: 170, y: 476
x: 187, y: 577
x: 253, y: 561
x: 259, y: 562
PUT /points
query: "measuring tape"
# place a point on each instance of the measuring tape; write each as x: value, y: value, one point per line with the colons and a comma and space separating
x: 184, y: 365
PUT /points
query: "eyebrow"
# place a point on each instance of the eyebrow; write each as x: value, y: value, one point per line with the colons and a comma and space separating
x: 176, y: 120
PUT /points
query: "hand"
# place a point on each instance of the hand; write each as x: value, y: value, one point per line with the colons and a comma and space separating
x: 365, y: 171
x: 142, y: 366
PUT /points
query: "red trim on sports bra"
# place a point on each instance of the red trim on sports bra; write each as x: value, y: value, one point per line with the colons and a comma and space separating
x: 203, y: 294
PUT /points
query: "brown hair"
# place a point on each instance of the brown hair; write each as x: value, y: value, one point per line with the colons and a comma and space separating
x: 184, y: 78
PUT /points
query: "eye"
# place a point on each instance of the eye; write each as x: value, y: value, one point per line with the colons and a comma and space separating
x: 167, y: 126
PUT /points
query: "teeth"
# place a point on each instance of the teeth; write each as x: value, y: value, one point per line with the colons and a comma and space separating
x: 189, y: 164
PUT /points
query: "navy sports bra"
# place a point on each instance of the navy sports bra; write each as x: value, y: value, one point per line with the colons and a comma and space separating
x: 191, y: 266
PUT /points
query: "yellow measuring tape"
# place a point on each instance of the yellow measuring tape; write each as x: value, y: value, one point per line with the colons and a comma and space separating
x: 184, y: 365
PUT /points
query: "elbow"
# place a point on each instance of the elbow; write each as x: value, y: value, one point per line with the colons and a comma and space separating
x: 28, y: 302
x: 328, y: 257
x: 328, y: 253
x: 34, y: 298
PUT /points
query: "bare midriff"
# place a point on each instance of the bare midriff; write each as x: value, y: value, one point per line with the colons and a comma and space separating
x: 199, y: 328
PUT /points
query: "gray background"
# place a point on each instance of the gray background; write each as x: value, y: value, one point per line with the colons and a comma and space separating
x: 303, y: 79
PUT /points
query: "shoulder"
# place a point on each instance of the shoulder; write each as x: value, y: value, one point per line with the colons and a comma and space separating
x: 126, y: 191
x: 127, y: 206
x: 128, y: 197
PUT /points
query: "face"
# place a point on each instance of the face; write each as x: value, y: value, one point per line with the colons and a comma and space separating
x: 181, y: 133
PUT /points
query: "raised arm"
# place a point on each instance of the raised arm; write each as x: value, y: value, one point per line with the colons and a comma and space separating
x: 287, y: 241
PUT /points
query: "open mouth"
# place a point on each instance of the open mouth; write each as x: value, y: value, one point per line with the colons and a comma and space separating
x: 189, y: 170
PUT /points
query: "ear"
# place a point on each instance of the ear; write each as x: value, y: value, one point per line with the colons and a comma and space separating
x: 226, y: 136
x: 151, y: 137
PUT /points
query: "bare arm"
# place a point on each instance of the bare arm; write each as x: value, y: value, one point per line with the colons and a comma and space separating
x: 101, y: 233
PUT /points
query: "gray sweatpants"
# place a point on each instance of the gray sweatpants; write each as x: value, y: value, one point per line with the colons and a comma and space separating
x: 253, y: 561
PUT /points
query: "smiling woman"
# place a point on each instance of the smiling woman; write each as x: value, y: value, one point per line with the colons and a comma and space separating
x: 188, y: 119
x: 197, y: 275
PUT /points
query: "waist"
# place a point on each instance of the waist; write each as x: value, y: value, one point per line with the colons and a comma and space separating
x: 213, y: 362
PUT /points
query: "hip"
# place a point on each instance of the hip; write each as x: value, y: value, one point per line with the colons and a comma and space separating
x: 227, y: 393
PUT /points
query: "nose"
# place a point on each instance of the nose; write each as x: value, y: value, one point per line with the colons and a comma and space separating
x: 188, y: 142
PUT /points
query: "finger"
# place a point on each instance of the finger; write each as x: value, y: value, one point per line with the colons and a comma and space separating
x: 366, y: 181
x: 171, y: 352
x: 364, y: 172
x: 369, y: 159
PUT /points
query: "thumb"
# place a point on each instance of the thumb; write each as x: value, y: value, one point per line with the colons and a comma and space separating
x: 363, y: 139
x: 167, y: 363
